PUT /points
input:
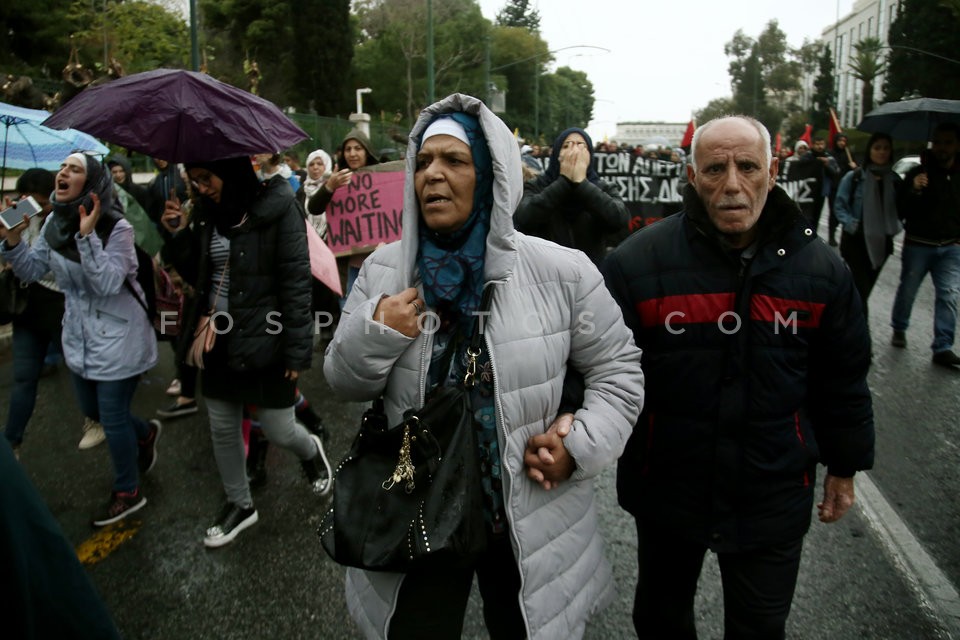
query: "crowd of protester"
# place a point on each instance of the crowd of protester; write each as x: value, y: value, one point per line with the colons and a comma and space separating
x: 232, y: 234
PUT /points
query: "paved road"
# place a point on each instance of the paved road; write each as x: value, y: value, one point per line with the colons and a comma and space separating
x: 275, y: 581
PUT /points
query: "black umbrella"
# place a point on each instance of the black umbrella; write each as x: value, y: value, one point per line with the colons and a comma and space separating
x: 179, y: 116
x: 911, y: 119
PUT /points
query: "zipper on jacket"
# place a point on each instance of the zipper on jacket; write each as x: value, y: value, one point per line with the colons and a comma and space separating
x: 423, y: 370
x: 508, y: 486
x: 803, y: 441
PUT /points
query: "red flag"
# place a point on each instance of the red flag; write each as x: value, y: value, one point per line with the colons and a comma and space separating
x: 834, y: 127
x: 777, y: 142
x: 688, y: 134
x: 806, y: 137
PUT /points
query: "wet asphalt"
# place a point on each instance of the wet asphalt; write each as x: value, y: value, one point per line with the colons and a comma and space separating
x: 276, y: 582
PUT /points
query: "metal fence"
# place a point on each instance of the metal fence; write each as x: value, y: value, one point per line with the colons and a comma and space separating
x: 389, y: 140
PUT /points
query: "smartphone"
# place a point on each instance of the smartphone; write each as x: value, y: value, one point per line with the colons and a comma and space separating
x: 14, y: 215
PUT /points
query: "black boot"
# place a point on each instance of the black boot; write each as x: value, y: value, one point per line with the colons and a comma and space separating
x: 309, y: 419
x: 257, y: 460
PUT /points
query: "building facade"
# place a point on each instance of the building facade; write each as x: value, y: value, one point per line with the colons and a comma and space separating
x: 867, y: 19
x: 646, y: 133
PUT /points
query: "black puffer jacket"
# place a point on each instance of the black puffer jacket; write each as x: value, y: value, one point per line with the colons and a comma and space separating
x: 579, y: 216
x: 269, y: 281
x: 737, y: 415
x: 931, y: 215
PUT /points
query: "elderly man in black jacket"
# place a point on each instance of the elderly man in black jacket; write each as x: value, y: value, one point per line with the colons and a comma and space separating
x: 756, y: 354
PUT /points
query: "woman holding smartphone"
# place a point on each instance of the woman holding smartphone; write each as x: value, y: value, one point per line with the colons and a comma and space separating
x: 108, y: 341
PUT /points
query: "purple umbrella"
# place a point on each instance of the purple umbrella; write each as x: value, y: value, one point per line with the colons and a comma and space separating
x: 179, y: 116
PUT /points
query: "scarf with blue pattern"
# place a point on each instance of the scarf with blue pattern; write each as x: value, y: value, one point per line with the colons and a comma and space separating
x: 451, y: 265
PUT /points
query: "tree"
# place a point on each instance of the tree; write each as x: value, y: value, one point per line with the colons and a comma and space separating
x: 921, y: 24
x: 518, y: 13
x: 808, y: 56
x: 303, y: 51
x: 35, y: 41
x: 866, y: 65
x: 519, y: 58
x: 566, y: 100
x: 323, y: 35
x: 250, y: 30
x: 823, y: 88
x: 953, y: 6
x: 781, y: 71
x: 140, y: 35
x: 714, y: 109
x: 391, y: 54
x: 764, y: 75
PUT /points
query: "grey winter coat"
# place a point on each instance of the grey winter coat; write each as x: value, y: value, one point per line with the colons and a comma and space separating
x: 106, y: 332
x: 550, y: 308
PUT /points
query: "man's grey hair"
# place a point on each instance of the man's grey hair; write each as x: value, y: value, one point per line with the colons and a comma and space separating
x: 762, y: 130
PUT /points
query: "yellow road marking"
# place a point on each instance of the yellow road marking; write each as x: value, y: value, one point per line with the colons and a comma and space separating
x: 106, y: 540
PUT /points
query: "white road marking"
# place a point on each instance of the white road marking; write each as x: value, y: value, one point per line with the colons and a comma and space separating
x: 937, y: 594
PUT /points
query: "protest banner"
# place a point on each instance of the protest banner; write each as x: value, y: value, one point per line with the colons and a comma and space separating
x: 803, y: 181
x: 365, y: 212
x: 651, y: 188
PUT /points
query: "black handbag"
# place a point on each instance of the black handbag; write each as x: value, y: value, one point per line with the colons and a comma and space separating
x: 408, y: 497
x: 13, y: 296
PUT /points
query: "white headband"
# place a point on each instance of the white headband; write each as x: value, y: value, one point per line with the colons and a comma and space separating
x: 448, y: 127
x: 82, y: 157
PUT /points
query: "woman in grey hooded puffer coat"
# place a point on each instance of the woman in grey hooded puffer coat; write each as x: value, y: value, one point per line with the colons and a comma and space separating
x: 550, y: 310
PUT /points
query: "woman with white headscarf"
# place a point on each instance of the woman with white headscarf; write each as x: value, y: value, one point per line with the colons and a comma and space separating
x: 108, y: 340
x: 319, y: 168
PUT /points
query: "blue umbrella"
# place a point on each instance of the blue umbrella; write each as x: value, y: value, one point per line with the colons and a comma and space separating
x: 28, y: 144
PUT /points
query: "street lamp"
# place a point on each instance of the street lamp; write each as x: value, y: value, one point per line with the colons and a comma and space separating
x: 915, y: 50
x: 360, y: 119
x: 536, y: 77
x: 360, y: 93
x: 431, y: 81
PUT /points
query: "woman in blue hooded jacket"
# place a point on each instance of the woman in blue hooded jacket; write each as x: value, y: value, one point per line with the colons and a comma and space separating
x: 108, y: 340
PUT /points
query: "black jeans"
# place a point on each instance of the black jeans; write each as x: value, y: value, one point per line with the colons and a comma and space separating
x: 432, y: 602
x: 853, y: 249
x: 757, y: 588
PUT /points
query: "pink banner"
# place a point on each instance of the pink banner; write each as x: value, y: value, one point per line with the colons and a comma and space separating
x: 366, y: 212
x: 323, y: 264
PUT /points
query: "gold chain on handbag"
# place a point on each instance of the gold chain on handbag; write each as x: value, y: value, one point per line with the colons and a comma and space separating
x: 405, y: 469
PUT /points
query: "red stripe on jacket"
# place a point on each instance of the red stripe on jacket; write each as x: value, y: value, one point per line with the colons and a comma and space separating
x: 708, y: 308
x: 779, y: 310
x: 691, y: 309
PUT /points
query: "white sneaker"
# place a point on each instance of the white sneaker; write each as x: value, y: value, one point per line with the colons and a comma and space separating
x: 92, y: 434
x: 174, y: 388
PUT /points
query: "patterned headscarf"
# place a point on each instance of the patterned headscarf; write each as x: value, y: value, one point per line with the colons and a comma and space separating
x: 451, y: 265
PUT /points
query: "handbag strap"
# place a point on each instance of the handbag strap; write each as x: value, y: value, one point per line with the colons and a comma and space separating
x: 226, y: 268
